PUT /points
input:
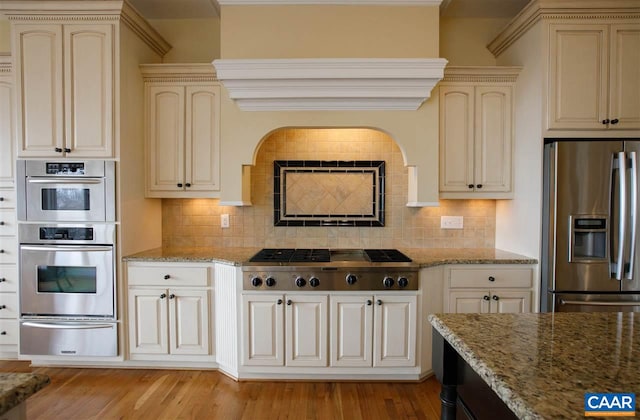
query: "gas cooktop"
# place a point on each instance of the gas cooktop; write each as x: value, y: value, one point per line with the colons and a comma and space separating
x: 291, y: 255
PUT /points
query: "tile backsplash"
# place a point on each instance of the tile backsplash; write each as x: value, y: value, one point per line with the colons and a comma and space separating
x: 196, y: 222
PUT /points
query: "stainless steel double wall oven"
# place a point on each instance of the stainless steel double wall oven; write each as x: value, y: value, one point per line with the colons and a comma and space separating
x: 66, y: 211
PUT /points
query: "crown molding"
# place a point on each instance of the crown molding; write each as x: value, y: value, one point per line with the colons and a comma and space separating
x: 481, y: 74
x: 180, y: 72
x: 5, y: 63
x: 331, y: 2
x: 538, y: 10
x: 329, y: 83
x: 85, y: 11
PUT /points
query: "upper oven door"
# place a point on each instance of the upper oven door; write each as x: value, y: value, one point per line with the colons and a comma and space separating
x: 73, y: 281
x: 58, y: 199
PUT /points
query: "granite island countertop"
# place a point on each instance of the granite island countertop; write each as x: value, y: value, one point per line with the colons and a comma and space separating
x: 15, y: 388
x: 425, y: 257
x: 541, y: 365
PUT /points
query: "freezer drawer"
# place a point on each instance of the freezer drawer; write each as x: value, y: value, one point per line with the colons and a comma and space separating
x: 68, y: 338
x: 569, y: 302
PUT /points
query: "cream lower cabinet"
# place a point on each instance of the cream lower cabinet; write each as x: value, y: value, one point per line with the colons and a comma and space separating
x: 373, y: 330
x: 182, y: 108
x: 286, y: 330
x: 489, y: 289
x: 594, y: 76
x: 297, y: 330
x: 173, y: 320
x: 476, y: 132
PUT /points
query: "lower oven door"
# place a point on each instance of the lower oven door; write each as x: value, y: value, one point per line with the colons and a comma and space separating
x: 67, y: 281
x: 68, y: 338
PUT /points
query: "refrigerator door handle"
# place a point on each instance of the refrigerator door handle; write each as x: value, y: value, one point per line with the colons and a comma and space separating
x: 622, y: 214
x: 598, y: 303
x: 633, y: 211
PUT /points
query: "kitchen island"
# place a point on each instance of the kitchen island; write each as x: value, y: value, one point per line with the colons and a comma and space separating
x: 533, y: 365
x: 15, y: 388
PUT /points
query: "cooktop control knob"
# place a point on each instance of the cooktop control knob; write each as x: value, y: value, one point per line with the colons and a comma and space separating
x: 300, y: 282
x: 403, y: 282
x: 270, y: 282
x: 314, y: 282
x: 351, y: 279
x: 256, y: 281
x: 388, y: 282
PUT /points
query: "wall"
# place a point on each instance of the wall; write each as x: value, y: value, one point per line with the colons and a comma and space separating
x: 463, y: 41
x: 193, y: 40
x: 197, y: 222
x: 338, y: 31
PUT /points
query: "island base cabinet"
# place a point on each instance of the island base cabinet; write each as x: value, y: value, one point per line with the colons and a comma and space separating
x: 167, y: 321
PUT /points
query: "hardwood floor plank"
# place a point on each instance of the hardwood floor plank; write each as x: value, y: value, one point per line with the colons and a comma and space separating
x: 103, y: 394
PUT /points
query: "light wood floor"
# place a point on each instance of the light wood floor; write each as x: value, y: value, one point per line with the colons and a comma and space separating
x: 192, y: 394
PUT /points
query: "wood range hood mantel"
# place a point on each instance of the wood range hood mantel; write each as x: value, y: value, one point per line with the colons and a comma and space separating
x: 327, y: 84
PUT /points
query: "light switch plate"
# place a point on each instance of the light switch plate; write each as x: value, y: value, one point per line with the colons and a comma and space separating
x: 224, y: 221
x: 451, y: 222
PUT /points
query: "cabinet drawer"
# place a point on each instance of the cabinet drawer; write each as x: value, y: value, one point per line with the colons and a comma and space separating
x: 168, y: 275
x: 7, y: 199
x: 8, y: 306
x: 8, y: 250
x: 8, y: 278
x: 480, y: 277
x: 8, y: 332
x: 8, y: 222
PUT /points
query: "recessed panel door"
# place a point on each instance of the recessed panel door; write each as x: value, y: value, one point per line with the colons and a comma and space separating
x: 395, y: 331
x: 306, y: 330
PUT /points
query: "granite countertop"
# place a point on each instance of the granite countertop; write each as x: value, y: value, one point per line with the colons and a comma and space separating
x: 425, y: 257
x: 15, y: 388
x: 541, y: 365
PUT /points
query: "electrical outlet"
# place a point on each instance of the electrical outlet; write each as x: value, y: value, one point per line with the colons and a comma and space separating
x: 224, y: 221
x: 451, y: 222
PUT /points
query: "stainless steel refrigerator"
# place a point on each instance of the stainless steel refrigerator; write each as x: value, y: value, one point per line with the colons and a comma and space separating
x: 590, y: 257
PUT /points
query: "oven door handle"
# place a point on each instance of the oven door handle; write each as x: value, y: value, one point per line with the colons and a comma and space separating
x: 66, y: 326
x: 67, y: 248
x: 65, y: 180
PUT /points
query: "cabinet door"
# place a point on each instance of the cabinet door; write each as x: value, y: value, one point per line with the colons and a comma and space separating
x: 202, y: 138
x: 148, y: 321
x: 262, y: 334
x: 624, y: 93
x: 188, y: 321
x: 493, y: 136
x: 306, y: 330
x: 578, y: 76
x: 7, y: 126
x: 351, y: 330
x: 165, y: 132
x: 38, y: 66
x: 88, y: 90
x: 469, y: 301
x: 456, y: 138
x: 510, y: 301
x: 395, y: 331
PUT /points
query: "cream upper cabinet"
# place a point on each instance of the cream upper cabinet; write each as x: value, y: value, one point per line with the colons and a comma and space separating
x: 65, y: 76
x: 594, y: 76
x: 182, y: 131
x: 476, y: 132
x: 7, y: 124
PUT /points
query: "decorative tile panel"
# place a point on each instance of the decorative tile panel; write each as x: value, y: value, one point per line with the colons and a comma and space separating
x: 328, y: 193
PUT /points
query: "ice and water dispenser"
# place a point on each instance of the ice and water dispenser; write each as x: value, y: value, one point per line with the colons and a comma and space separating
x: 588, y: 238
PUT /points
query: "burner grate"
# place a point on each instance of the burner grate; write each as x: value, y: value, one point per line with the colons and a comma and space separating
x: 386, y: 255
x: 273, y: 255
x: 310, y: 255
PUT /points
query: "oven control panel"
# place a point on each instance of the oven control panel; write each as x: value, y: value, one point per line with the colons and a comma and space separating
x: 64, y: 168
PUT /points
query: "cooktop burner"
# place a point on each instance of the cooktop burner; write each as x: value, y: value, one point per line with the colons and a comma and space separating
x: 290, y: 255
